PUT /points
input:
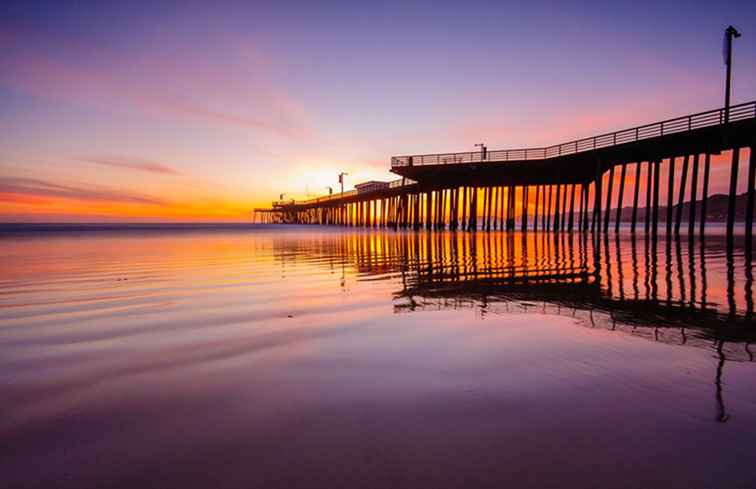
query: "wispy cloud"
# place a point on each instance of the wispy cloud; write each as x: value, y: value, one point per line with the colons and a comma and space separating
x: 178, y: 87
x: 133, y: 164
x: 14, y: 189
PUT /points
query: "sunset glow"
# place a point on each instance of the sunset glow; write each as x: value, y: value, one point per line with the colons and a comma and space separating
x: 201, y: 114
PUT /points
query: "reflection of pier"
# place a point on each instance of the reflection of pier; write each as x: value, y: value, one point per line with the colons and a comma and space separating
x: 566, y: 187
x: 697, y: 293
x: 701, y: 287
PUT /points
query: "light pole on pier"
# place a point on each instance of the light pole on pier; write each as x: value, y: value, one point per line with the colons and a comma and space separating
x: 341, y: 181
x: 483, y: 150
x: 729, y: 34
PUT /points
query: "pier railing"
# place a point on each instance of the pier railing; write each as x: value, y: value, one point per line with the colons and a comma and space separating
x: 680, y: 124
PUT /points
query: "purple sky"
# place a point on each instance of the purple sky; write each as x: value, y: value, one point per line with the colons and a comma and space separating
x: 202, y: 110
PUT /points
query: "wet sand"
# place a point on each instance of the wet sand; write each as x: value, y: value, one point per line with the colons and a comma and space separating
x: 311, y: 358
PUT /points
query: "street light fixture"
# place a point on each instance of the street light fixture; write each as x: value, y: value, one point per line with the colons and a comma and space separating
x: 483, y: 150
x: 341, y: 181
x: 729, y: 34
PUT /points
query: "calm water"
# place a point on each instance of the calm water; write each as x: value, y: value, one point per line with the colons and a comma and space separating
x: 309, y: 357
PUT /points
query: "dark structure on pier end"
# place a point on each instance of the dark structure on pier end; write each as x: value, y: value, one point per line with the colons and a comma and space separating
x: 566, y: 187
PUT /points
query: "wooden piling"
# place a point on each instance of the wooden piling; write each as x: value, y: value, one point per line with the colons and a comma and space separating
x: 750, y: 201
x: 581, y: 222
x: 620, y: 198
x: 649, y: 190
x: 524, y: 216
x: 465, y: 194
x: 634, y: 216
x: 511, y: 220
x: 535, y: 213
x: 609, y: 187
x: 693, y: 192
x: 733, y: 194
x: 473, y: 220
x: 556, y: 205
x: 705, y: 192
x: 670, y: 194
x: 597, y: 194
x: 428, y: 213
x: 489, y: 202
x: 544, y: 208
x: 495, y: 207
x: 681, y: 198
x: 572, y: 208
x: 655, y: 223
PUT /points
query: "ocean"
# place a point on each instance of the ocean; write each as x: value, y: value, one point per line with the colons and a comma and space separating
x: 301, y: 356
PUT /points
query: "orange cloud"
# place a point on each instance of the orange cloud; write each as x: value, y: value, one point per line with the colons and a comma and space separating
x: 134, y: 164
x: 14, y: 189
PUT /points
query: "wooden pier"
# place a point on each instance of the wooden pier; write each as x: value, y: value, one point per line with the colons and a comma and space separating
x: 572, y: 183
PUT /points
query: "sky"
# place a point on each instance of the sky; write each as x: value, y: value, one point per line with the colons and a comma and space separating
x: 201, y: 111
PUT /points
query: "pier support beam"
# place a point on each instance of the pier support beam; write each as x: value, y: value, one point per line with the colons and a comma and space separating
x: 670, y: 194
x: 750, y: 201
x: 572, y: 208
x: 649, y: 190
x: 693, y: 195
x: 609, y: 187
x: 733, y: 194
x: 620, y: 198
x: 705, y: 192
x: 634, y: 216
x: 557, y: 205
x: 681, y: 199
x: 655, y: 221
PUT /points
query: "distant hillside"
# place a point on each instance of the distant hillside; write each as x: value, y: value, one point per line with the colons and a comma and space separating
x: 716, y: 210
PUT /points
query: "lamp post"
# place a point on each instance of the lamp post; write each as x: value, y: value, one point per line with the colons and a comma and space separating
x: 729, y: 34
x: 483, y: 151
